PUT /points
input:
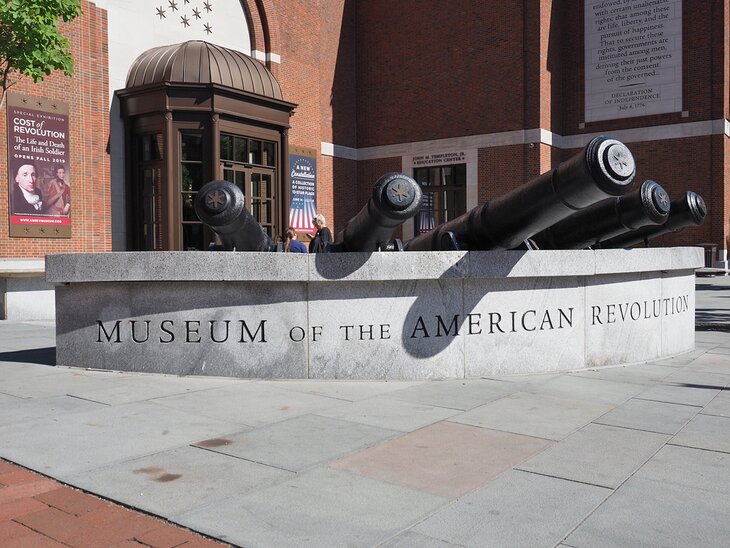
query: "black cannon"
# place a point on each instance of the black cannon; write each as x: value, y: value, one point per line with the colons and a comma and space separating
x: 604, y: 168
x: 220, y: 206
x: 396, y: 198
x: 648, y: 205
x: 689, y: 210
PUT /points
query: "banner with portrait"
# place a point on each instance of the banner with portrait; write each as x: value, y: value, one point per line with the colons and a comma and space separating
x: 39, y: 201
x: 303, y: 189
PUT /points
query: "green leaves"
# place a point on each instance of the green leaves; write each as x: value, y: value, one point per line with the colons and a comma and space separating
x: 30, y: 41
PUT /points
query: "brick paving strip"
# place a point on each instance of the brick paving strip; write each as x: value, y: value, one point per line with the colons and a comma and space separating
x: 39, y: 512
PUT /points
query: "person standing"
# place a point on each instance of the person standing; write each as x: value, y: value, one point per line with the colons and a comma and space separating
x: 323, y: 238
x: 27, y: 197
x: 291, y: 244
x: 57, y: 193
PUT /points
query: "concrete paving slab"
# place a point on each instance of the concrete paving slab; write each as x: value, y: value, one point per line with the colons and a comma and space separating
x: 711, y: 363
x: 410, y: 539
x: 718, y: 337
x: 536, y: 415
x: 651, y: 416
x: 706, y: 346
x: 597, y: 454
x: 643, y: 373
x: 389, y: 413
x: 720, y: 405
x: 60, y: 383
x: 65, y: 446
x: 683, y: 390
x: 299, y: 443
x: 248, y: 403
x: 518, y: 509
x: 446, y: 459
x: 681, y: 360
x: 456, y: 394
x: 705, y: 432
x: 343, y: 390
x: 131, y: 387
x: 171, y: 482
x: 12, y: 371
x: 323, y: 507
x: 29, y: 343
x: 522, y: 379
x: 724, y: 350
x: 689, y: 467
x: 644, y: 513
x: 698, y: 378
x: 15, y: 410
x: 585, y: 387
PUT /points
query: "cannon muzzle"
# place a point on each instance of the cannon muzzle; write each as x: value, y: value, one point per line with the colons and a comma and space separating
x: 396, y: 198
x: 220, y: 206
x: 689, y: 210
x: 648, y: 205
x: 604, y: 168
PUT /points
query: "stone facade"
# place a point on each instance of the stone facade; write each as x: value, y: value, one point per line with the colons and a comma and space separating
x: 410, y: 315
x: 501, y: 82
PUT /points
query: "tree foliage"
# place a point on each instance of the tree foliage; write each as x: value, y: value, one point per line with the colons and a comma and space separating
x: 30, y: 41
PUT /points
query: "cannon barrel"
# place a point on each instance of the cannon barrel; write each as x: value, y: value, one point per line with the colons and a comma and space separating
x: 395, y: 199
x: 688, y: 210
x: 647, y: 205
x: 220, y: 206
x: 604, y: 168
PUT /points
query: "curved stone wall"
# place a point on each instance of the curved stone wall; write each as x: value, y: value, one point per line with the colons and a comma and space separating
x: 372, y: 316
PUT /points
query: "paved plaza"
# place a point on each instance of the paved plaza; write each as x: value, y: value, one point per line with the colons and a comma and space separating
x: 622, y: 456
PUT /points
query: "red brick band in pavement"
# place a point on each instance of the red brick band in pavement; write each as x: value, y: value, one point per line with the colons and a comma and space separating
x: 38, y: 512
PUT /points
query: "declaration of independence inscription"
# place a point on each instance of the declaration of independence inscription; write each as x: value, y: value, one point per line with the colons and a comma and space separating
x: 633, y: 58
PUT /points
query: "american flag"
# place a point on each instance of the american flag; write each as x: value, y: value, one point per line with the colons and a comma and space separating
x: 301, y: 215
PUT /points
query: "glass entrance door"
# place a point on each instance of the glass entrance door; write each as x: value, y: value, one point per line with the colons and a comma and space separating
x: 259, y: 191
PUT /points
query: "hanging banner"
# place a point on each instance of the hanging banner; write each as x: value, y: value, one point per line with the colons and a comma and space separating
x: 303, y: 189
x: 38, y: 168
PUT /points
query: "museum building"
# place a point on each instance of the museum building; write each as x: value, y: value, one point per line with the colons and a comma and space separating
x: 304, y: 105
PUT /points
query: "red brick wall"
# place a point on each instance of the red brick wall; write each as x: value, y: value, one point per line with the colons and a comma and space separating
x: 317, y: 72
x: 429, y: 69
x: 680, y: 165
x: 86, y: 93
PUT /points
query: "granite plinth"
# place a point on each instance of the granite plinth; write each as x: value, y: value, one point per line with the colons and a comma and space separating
x: 412, y: 315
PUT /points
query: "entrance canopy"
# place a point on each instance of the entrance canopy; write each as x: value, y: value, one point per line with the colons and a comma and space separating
x: 198, y: 62
x: 194, y: 112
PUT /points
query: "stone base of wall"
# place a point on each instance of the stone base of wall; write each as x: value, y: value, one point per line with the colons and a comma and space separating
x: 372, y: 316
x: 24, y: 293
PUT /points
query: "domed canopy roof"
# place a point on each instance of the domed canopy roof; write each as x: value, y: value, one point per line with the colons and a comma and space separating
x: 199, y: 62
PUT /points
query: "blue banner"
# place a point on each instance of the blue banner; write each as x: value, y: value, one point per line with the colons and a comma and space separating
x: 303, y: 193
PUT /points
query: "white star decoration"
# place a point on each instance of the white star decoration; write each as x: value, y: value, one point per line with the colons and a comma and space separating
x: 196, y: 10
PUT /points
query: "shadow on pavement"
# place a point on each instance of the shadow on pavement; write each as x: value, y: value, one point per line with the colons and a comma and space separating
x: 41, y: 356
x: 704, y: 386
x: 710, y: 287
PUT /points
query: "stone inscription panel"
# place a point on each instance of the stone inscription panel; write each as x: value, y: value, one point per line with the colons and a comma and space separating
x: 239, y: 330
x: 400, y: 329
x: 633, y: 58
x: 539, y: 319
